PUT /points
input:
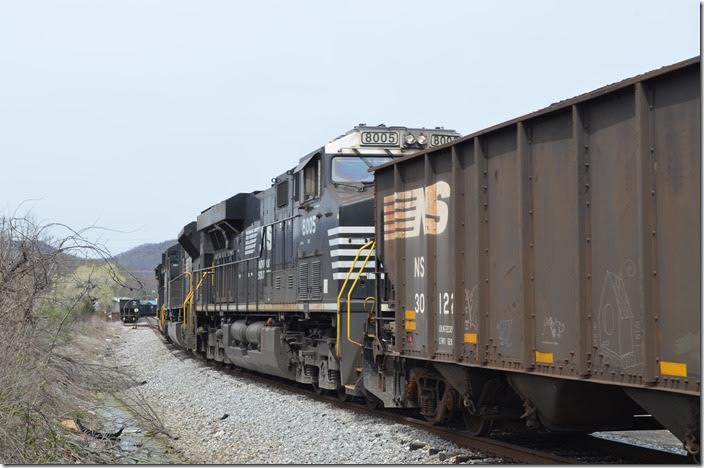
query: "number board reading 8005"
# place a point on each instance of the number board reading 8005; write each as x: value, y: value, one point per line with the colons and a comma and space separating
x: 380, y: 138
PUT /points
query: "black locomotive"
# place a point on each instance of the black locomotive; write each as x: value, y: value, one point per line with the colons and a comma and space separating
x: 127, y: 308
x: 147, y: 308
x: 281, y: 281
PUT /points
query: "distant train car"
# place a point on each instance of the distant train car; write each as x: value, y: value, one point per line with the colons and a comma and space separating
x: 147, y: 308
x: 549, y: 267
x: 126, y: 308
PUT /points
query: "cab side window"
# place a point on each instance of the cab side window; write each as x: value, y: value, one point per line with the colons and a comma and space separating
x: 311, y: 180
x: 282, y: 194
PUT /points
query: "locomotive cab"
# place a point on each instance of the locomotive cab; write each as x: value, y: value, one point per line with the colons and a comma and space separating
x: 337, y: 230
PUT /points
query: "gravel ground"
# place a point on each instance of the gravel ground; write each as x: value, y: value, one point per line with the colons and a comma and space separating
x: 223, y: 418
x: 660, y: 440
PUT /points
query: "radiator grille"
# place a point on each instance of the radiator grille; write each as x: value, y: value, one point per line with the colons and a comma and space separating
x: 289, y: 282
x: 303, y: 281
x: 277, y: 282
x: 315, y: 292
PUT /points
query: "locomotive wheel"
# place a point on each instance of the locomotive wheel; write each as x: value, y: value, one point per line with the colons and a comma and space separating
x: 476, y: 425
x: 317, y: 389
x: 342, y: 394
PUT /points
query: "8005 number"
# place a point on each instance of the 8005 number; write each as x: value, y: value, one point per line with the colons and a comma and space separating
x: 380, y: 138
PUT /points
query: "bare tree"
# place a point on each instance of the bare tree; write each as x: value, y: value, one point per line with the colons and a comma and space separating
x: 40, y: 384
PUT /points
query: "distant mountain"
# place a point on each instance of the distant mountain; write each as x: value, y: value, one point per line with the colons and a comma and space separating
x: 143, y: 258
x: 140, y: 261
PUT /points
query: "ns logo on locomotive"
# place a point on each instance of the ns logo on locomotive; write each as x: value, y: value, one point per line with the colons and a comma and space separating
x: 282, y: 281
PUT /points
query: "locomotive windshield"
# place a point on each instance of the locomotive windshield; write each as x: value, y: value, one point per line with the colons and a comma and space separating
x: 355, y: 169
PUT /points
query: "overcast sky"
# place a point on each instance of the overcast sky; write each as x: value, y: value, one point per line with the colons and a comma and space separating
x: 137, y: 115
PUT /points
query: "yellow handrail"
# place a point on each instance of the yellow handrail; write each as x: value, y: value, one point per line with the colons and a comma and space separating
x: 342, y: 291
x: 188, y: 296
x: 198, y: 285
x: 162, y: 315
x: 349, y: 295
x: 186, y: 308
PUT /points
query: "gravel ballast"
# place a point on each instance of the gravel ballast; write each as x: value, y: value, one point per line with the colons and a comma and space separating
x: 217, y: 417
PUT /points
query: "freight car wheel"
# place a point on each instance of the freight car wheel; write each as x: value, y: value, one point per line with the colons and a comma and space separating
x: 478, y: 426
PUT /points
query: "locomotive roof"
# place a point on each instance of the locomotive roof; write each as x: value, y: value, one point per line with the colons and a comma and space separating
x: 363, y: 126
x: 350, y: 141
x: 231, y: 212
x: 353, y: 142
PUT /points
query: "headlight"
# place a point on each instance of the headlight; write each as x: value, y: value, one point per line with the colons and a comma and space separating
x: 136, y: 310
x: 410, y: 139
x: 422, y: 139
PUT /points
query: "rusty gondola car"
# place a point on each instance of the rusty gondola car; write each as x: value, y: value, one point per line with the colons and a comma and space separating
x: 548, y: 268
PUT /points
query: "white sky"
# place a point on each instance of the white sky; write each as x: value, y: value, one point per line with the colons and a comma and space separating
x: 137, y: 115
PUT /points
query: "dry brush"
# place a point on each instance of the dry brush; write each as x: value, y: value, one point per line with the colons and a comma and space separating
x: 43, y: 377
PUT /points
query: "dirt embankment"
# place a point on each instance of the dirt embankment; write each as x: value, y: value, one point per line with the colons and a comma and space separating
x: 117, y: 419
x: 60, y: 389
x: 76, y: 403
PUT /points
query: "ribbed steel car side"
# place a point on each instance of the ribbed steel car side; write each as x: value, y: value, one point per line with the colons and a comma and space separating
x: 564, y: 243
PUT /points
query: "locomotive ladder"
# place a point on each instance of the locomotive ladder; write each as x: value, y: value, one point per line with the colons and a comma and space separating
x: 188, y: 297
x: 370, y: 245
x: 189, y: 301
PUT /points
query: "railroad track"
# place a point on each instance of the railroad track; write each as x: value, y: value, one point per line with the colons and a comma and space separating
x: 510, y: 447
x: 150, y: 322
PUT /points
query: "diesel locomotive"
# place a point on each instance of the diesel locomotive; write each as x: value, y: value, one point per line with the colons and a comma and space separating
x: 544, y: 271
x: 263, y: 280
x: 126, y: 308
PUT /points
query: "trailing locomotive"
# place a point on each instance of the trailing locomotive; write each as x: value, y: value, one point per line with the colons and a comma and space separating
x: 147, y: 308
x: 543, y: 271
x: 261, y: 279
x: 127, y: 308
